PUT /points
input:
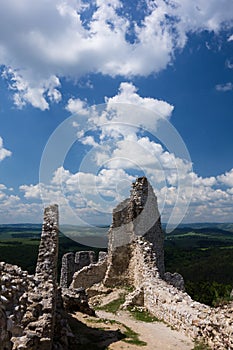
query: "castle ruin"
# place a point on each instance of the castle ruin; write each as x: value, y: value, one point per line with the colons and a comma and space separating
x: 136, y: 259
x: 32, y: 306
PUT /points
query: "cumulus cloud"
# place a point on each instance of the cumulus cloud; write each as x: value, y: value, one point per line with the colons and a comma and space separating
x: 37, y: 93
x: 128, y: 94
x: 3, y: 151
x: 122, y: 113
x: 91, y: 197
x: 41, y: 42
x: 77, y: 106
x: 31, y: 191
x: 227, y: 178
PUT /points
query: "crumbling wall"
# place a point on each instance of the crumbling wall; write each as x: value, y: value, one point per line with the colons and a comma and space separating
x: 5, y: 334
x: 146, y: 219
x: 134, y: 217
x: 39, y: 318
x: 136, y: 257
x: 14, y: 283
x: 67, y: 269
x: 32, y: 313
x: 90, y: 275
x: 176, y: 307
x: 73, y: 262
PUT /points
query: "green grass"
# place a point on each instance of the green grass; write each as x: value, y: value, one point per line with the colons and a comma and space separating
x: 132, y: 337
x: 201, y: 345
x: 114, y: 305
x: 143, y: 315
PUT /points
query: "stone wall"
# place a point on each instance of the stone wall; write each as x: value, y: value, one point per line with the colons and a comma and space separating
x: 135, y: 258
x: 89, y: 275
x: 73, y: 262
x: 39, y: 318
x: 134, y: 217
x: 5, y: 334
x: 147, y: 222
x: 14, y: 285
x: 176, y: 307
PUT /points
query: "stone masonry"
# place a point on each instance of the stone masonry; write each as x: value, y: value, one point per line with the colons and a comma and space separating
x: 175, y: 307
x: 72, y: 263
x: 136, y: 216
x: 39, y: 319
x: 32, y: 314
x: 135, y: 258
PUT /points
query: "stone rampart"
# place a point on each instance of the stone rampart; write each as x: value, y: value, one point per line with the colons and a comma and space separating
x: 176, y: 307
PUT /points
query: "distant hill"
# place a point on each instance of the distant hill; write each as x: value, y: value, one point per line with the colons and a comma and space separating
x: 207, y: 225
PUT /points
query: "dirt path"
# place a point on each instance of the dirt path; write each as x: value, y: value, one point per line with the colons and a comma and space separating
x: 156, y: 335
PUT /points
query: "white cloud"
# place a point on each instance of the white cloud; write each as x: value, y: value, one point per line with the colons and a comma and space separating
x: 227, y: 178
x: 43, y: 41
x: 230, y: 38
x: 128, y: 94
x: 77, y: 106
x: 89, y: 141
x: 34, y: 93
x: 3, y: 151
x: 224, y: 87
x: 31, y: 191
x: 122, y: 114
x: 85, y: 197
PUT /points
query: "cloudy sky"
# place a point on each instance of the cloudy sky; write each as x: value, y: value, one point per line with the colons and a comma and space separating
x: 96, y: 93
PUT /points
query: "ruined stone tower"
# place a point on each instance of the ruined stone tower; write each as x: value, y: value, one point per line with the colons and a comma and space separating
x: 135, y: 216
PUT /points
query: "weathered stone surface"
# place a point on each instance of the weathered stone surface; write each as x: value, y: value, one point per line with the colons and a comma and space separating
x: 175, y: 279
x: 76, y: 300
x: 67, y: 270
x: 147, y: 222
x: 102, y: 256
x: 32, y: 315
x: 177, y: 308
x: 72, y: 263
x: 136, y: 298
x: 5, y: 334
x: 89, y: 275
x: 31, y: 307
x: 84, y: 258
x: 39, y: 317
x: 135, y: 217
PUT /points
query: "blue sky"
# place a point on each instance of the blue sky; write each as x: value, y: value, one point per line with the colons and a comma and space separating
x: 150, y: 63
